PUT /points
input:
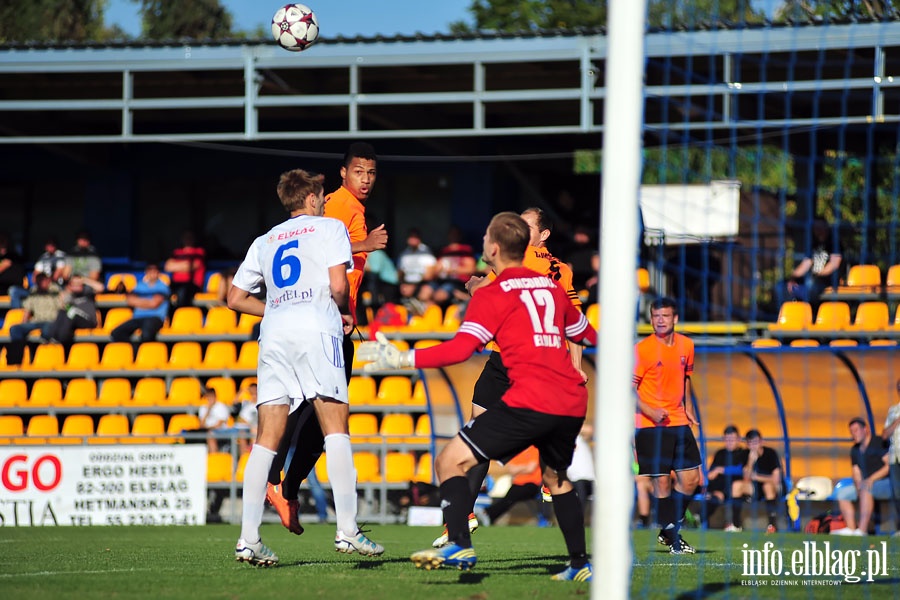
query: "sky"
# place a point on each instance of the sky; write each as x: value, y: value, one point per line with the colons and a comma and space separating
x: 336, y: 17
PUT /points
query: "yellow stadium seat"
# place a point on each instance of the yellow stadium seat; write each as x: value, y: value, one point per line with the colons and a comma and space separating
x: 186, y: 320
x: 13, y: 316
x: 151, y: 356
x: 220, y: 319
x: 399, y: 467
x: 363, y: 428
x: 111, y: 429
x: 115, y: 391
x: 367, y: 467
x: 893, y: 276
x: 80, y: 392
x: 185, y: 391
x: 83, y: 356
x: 832, y: 316
x: 76, y: 429
x: 421, y: 344
x: 395, y: 389
x: 361, y: 389
x: 241, y: 467
x: 47, y: 357
x: 220, y: 356
x: 185, y: 356
x: 10, y: 426
x: 844, y: 343
x: 129, y: 280
x: 765, y: 343
x: 451, y: 318
x: 212, y: 283
x: 245, y: 383
x: 13, y: 392
x: 804, y: 344
x: 593, y: 315
x: 148, y: 428
x: 423, y: 427
x: 181, y: 422
x: 219, y: 467
x: 226, y: 388
x: 424, y: 469
x: 40, y: 429
x: 5, y: 367
x: 793, y: 316
x: 45, y: 392
x: 149, y: 391
x: 322, y: 469
x: 419, y: 398
x: 431, y: 320
x: 116, y: 356
x: 871, y: 316
x: 882, y: 342
x: 643, y: 280
x: 867, y: 276
x: 246, y: 322
x: 248, y: 357
x: 114, y: 317
x: 397, y: 428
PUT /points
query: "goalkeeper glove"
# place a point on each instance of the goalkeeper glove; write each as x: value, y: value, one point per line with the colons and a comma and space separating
x: 381, y: 355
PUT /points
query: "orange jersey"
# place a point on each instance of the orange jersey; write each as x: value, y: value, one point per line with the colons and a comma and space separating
x: 529, y: 455
x: 659, y: 376
x: 345, y: 207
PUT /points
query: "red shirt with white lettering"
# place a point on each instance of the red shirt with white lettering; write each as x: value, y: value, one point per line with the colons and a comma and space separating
x: 530, y: 317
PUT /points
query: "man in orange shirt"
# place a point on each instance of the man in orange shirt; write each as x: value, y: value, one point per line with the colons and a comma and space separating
x: 664, y: 441
x: 346, y: 204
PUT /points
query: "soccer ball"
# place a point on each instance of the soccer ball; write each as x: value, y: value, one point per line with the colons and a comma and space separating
x: 295, y: 27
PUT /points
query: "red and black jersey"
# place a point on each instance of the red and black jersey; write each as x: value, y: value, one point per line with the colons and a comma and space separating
x: 530, y: 317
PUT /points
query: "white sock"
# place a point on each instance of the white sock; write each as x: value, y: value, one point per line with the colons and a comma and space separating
x: 342, y: 475
x: 256, y: 475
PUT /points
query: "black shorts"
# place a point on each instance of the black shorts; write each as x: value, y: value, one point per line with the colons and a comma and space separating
x: 661, y: 450
x: 503, y: 432
x: 492, y: 383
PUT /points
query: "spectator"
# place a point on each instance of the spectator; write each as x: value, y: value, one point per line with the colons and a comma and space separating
x: 763, y: 478
x: 593, y: 283
x: 581, y: 472
x: 213, y: 416
x: 79, y: 310
x: 448, y: 276
x: 726, y: 470
x: 892, y: 434
x: 150, y: 303
x: 246, y: 419
x: 53, y: 263
x: 869, y: 460
x: 525, y: 470
x: 84, y: 260
x: 12, y: 272
x: 188, y: 268
x: 414, y: 265
x: 40, y: 307
x: 579, y: 257
x: 816, y: 270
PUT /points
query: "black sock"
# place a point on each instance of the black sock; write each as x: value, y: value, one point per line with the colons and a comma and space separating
x: 681, y: 502
x: 772, y: 509
x: 665, y: 512
x: 645, y: 520
x: 455, y: 500
x: 738, y: 506
x: 476, y: 476
x: 570, y: 517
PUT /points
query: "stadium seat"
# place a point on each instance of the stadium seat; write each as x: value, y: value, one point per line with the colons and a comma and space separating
x: 113, y: 318
x: 804, y: 344
x: 793, y: 316
x: 367, y: 467
x: 185, y: 356
x: 361, y: 390
x: 882, y: 342
x: 831, y: 316
x: 76, y: 429
x: 419, y: 398
x: 431, y: 320
x: 45, y: 392
x: 246, y: 322
x: 129, y: 280
x: 322, y: 469
x: 13, y: 316
x: 219, y: 467
x: 241, y: 467
x: 765, y: 343
x: 451, y: 318
x: 424, y: 469
x: 248, y: 357
x: 225, y: 387
x: 220, y: 356
x: 115, y: 391
x: 185, y: 391
x: 47, y: 357
x: 363, y: 428
x: 423, y: 427
x: 10, y: 426
x: 397, y: 428
x: 186, y: 320
x: 83, y: 356
x: 181, y: 422
x: 643, y: 280
x: 421, y: 344
x: 843, y: 343
x: 245, y: 383
x: 80, y: 392
x: 86, y: 331
x: 399, y: 467
x: 395, y: 389
x: 864, y: 276
x: 117, y: 356
x: 149, y: 391
x: 111, y: 429
x: 5, y: 367
x: 212, y: 282
x: 13, y: 392
x: 593, y: 315
x: 220, y: 319
x: 871, y: 316
x: 148, y: 428
x: 151, y: 356
x: 41, y: 428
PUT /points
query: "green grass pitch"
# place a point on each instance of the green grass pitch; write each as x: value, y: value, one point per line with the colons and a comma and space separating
x: 514, y: 562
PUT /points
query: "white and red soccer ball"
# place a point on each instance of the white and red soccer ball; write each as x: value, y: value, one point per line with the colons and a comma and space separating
x: 295, y: 27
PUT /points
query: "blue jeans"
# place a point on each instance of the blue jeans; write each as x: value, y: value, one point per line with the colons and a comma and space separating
x: 18, y: 334
x: 17, y: 295
x: 895, y: 484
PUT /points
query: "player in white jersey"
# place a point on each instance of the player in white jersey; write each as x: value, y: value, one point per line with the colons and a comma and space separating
x: 303, y: 265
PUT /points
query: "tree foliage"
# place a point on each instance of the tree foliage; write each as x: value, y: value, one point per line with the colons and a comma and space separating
x: 192, y: 19
x: 52, y: 20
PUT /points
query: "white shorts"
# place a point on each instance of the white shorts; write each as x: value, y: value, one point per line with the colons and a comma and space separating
x: 302, y: 368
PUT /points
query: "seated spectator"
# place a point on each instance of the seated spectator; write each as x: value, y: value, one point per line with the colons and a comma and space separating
x: 246, y: 418
x: 593, y: 283
x: 891, y: 434
x: 581, y: 472
x: 53, y: 263
x: 446, y: 280
x: 869, y: 461
x: 12, y: 272
x: 726, y: 469
x: 414, y: 266
x: 150, y: 303
x: 816, y: 270
x: 213, y: 416
x: 188, y: 268
x: 79, y: 310
x: 41, y: 307
x: 763, y: 479
x: 84, y: 260
x: 525, y: 469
